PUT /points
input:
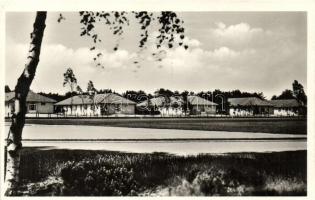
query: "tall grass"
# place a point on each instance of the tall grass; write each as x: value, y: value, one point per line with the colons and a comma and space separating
x: 80, y: 172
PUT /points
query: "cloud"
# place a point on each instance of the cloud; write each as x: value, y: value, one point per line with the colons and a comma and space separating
x: 191, y: 42
x: 239, y: 36
x: 237, y: 61
x: 224, y: 52
x: 237, y: 31
x: 177, y: 66
x: 56, y: 58
x: 200, y: 58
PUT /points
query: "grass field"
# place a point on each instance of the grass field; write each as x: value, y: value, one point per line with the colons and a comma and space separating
x: 263, y: 125
x: 84, y: 173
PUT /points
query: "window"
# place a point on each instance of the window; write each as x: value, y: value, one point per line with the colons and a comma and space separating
x: 32, y: 107
x: 43, y: 103
x: 118, y: 107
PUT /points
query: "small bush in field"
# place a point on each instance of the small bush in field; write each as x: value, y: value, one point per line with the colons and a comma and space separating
x: 284, y: 186
x: 211, y: 182
x: 220, y: 182
x: 52, y: 186
x: 98, y: 177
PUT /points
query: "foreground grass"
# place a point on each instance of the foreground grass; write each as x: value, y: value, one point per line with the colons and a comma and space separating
x: 264, y: 125
x: 84, y: 173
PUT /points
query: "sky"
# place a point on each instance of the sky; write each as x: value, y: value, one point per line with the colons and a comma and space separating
x: 251, y: 51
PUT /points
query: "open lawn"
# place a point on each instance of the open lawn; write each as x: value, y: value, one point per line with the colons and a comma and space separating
x: 102, y: 173
x: 262, y: 125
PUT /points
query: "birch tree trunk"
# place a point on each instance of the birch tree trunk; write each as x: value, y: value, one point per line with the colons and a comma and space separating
x: 14, y: 140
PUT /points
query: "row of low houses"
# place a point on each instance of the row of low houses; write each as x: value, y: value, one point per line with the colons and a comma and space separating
x: 113, y: 104
x: 250, y: 106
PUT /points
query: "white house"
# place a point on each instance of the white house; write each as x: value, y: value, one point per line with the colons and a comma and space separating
x: 167, y: 106
x: 173, y: 106
x: 36, y: 103
x: 249, y: 106
x: 201, y: 106
x: 100, y: 104
x: 286, y: 107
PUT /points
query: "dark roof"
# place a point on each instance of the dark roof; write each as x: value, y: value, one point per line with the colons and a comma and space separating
x: 76, y: 100
x: 31, y: 97
x: 108, y: 98
x: 285, y: 103
x: 196, y: 100
x: 248, y: 101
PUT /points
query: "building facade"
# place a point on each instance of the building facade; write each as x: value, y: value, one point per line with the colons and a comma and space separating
x: 36, y: 104
x: 286, y: 107
x: 98, y: 105
x: 173, y: 106
x: 165, y: 106
x: 201, y: 106
x: 249, y: 106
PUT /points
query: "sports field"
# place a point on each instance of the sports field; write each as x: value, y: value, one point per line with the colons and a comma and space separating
x: 261, y: 125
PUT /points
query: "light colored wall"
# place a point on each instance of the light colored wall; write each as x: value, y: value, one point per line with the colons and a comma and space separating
x: 8, y: 108
x: 284, y: 112
x: 81, y: 110
x: 129, y: 109
x: 211, y: 109
x: 250, y: 112
x: 240, y: 112
x: 46, y: 108
x: 203, y: 109
x: 168, y: 112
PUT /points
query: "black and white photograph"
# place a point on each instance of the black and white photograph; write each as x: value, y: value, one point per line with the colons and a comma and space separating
x: 156, y: 102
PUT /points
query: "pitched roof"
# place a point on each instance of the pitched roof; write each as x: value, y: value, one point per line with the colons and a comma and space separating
x: 107, y: 98
x: 285, y: 103
x: 161, y: 101
x: 196, y: 100
x: 156, y: 101
x: 31, y: 97
x: 248, y: 101
x: 9, y: 96
x: 76, y: 100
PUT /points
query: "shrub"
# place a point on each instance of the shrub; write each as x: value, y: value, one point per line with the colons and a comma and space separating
x: 220, y: 182
x: 98, y: 177
x: 284, y: 186
x: 52, y: 186
x: 213, y: 181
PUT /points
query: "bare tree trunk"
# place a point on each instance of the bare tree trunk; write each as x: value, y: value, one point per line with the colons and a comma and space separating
x: 14, y: 140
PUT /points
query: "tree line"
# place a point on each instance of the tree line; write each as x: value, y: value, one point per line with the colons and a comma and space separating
x: 217, y: 96
x: 297, y: 93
